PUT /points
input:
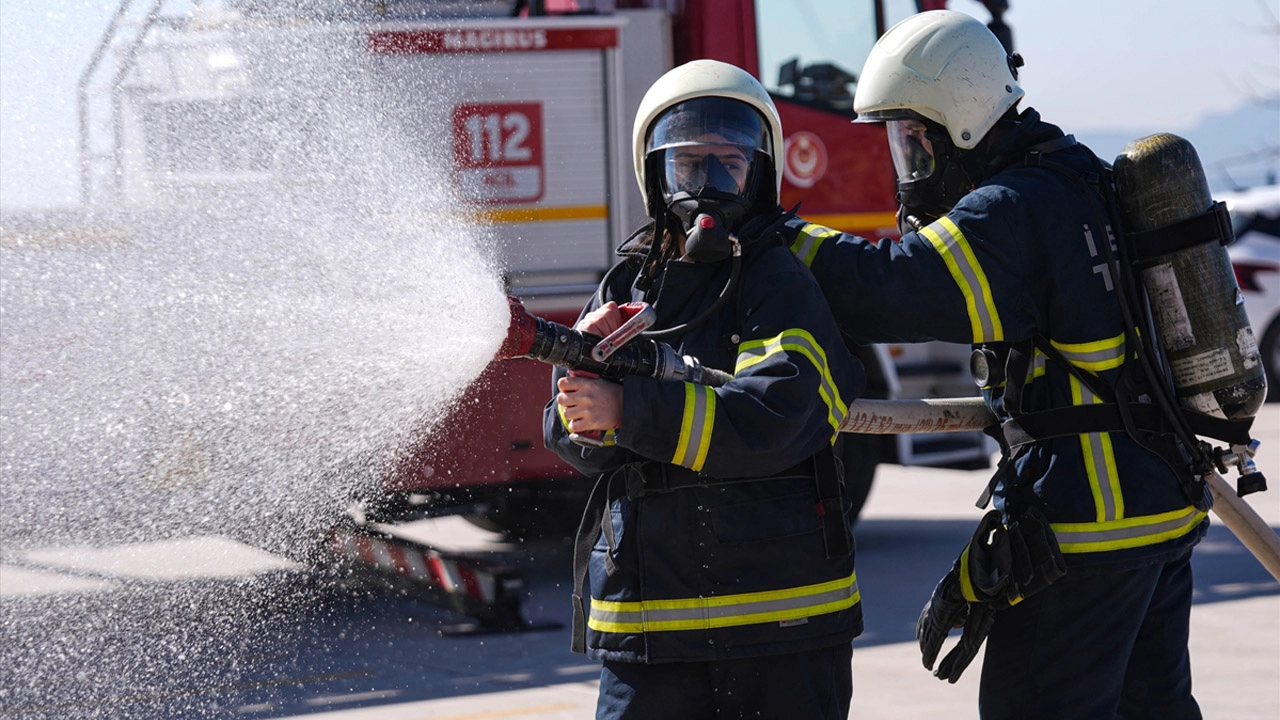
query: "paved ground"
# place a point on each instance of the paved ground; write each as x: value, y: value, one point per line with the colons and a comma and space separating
x: 205, y: 628
x: 914, y: 516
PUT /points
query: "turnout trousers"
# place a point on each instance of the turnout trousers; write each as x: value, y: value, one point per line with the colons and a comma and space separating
x: 816, y: 685
x: 1095, y: 645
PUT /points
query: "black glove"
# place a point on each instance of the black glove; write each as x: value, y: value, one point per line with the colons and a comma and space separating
x: 976, y: 628
x: 999, y: 567
x: 946, y: 609
x: 1037, y: 559
x: 949, y: 608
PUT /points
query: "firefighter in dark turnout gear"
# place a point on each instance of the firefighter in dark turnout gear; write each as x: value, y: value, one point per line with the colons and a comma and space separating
x: 715, y: 573
x: 1082, y: 576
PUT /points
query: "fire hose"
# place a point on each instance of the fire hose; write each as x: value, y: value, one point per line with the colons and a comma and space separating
x: 630, y: 353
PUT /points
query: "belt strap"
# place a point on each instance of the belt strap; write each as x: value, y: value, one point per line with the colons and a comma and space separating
x: 1106, y: 417
x: 593, y: 518
x: 835, y: 528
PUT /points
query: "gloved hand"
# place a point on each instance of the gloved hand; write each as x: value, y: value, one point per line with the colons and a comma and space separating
x: 976, y: 628
x: 998, y: 568
x: 1037, y: 559
x: 949, y: 608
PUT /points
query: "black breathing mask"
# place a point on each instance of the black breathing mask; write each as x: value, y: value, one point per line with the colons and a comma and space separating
x: 931, y: 178
x: 706, y: 162
x: 709, y: 214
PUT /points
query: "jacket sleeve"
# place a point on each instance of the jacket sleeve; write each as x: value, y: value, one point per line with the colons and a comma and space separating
x: 792, y: 380
x: 959, y: 279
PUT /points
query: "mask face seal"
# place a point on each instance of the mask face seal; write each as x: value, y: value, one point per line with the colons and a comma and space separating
x: 930, y: 178
x: 706, y: 157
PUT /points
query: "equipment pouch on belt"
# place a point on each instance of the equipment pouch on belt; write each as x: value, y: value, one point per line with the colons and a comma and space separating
x: 1001, y: 566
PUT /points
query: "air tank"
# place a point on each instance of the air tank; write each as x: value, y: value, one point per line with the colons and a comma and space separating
x: 1192, y: 292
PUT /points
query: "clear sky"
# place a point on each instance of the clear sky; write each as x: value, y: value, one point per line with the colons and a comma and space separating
x: 1092, y: 65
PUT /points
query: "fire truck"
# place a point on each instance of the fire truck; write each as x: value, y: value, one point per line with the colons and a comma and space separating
x: 178, y: 105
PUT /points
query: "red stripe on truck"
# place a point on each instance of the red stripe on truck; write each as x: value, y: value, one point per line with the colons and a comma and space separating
x: 424, y: 42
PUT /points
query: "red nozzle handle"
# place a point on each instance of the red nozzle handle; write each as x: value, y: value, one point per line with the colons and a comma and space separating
x: 520, y: 333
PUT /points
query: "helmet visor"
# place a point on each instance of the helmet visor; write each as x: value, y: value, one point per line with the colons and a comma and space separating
x: 708, y: 143
x: 912, y: 152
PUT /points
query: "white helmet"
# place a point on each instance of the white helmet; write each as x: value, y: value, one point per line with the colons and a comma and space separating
x: 944, y: 65
x: 705, y: 79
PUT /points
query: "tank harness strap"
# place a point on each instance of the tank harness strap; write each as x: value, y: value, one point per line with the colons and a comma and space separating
x: 1023, y: 428
x: 1214, y: 225
x: 1038, y: 151
x: 1141, y: 379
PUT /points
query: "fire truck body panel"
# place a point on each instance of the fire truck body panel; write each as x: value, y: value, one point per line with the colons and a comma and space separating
x: 532, y: 119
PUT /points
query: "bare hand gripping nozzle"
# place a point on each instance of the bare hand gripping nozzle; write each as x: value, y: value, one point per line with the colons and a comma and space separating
x: 529, y: 336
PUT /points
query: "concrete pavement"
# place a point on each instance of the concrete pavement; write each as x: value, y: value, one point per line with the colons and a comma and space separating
x: 914, y: 522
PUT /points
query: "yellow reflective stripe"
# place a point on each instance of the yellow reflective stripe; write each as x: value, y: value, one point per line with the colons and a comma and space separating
x: 1099, y: 461
x: 721, y: 611
x: 966, y: 583
x: 1126, y: 533
x: 1039, y: 364
x: 956, y: 252
x: 540, y: 213
x: 809, y: 240
x: 870, y: 224
x: 695, y: 426
x: 799, y: 341
x: 1094, y: 356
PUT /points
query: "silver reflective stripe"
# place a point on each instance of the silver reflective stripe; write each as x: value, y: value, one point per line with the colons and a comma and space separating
x: 724, y: 611
x: 695, y: 428
x: 956, y: 252
x: 798, y: 341
x: 809, y: 240
x: 1099, y: 462
x: 1094, y: 356
x: 1127, y: 533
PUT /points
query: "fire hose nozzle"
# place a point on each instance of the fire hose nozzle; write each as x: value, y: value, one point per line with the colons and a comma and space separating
x: 521, y: 332
x: 529, y: 336
x: 640, y: 317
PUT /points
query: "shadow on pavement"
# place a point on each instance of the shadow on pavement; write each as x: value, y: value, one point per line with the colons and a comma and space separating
x: 900, y: 561
x: 299, y: 642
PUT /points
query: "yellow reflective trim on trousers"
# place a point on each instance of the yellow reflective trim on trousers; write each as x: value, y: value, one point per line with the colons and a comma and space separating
x: 1094, y: 356
x: 956, y: 252
x: 721, y: 611
x: 800, y: 341
x: 809, y: 240
x: 1127, y: 533
x: 695, y: 426
x: 1099, y: 461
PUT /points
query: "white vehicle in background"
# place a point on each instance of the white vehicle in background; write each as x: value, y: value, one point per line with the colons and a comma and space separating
x: 1255, y: 256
